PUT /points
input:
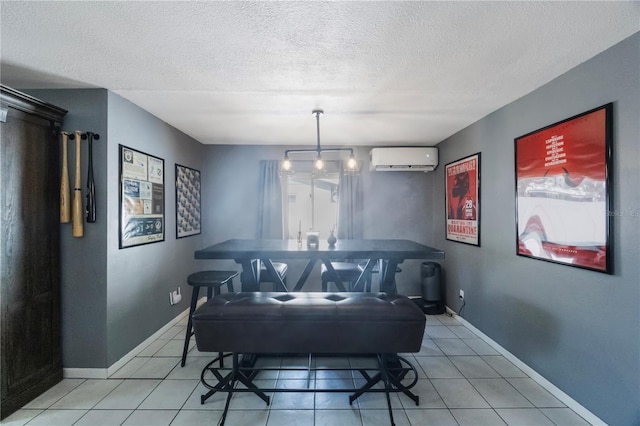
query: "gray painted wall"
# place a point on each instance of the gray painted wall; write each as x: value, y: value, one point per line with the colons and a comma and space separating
x: 84, y: 260
x: 140, y: 278
x: 112, y: 299
x: 398, y: 205
x: 577, y: 328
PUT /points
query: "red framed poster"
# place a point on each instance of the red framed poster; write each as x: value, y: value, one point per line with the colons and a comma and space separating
x: 563, y: 181
x: 462, y: 193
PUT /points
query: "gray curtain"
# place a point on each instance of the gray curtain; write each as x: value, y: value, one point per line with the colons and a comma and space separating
x: 270, y: 201
x: 350, y: 207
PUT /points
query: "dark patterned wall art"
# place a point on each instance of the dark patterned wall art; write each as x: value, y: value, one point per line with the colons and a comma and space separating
x: 187, y: 201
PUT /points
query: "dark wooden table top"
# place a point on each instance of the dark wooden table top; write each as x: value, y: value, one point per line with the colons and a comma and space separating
x: 343, y: 249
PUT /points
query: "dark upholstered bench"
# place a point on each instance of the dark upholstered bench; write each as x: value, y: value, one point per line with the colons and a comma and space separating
x: 311, y: 323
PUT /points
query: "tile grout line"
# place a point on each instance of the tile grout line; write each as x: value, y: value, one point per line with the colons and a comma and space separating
x: 315, y: 408
x: 535, y: 376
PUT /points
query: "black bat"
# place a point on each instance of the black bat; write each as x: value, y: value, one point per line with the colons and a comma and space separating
x: 91, y: 187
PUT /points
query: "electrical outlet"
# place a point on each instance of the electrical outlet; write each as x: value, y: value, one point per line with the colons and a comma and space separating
x: 461, y: 296
x: 175, y: 296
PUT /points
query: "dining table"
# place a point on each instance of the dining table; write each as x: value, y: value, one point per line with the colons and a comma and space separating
x: 387, y: 254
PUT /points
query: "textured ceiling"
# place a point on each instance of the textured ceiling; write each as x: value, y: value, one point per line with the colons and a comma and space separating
x: 385, y: 73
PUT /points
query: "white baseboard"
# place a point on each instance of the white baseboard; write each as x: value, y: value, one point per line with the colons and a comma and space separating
x: 84, y: 373
x: 104, y: 373
x: 535, y: 376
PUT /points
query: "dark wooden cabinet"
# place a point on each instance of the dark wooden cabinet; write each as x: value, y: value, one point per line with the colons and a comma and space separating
x: 30, y: 348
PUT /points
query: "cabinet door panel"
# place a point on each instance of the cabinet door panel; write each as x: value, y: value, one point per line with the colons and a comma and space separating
x: 30, y: 271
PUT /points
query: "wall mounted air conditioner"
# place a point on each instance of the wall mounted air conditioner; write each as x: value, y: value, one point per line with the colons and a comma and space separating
x: 404, y: 159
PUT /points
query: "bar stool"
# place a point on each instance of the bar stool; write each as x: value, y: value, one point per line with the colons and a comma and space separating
x: 265, y: 277
x: 212, y: 280
x: 347, y: 271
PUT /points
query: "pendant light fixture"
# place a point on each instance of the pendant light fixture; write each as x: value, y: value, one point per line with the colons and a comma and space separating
x: 319, y: 166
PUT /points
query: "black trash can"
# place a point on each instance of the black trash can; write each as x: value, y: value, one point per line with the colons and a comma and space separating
x: 433, y: 292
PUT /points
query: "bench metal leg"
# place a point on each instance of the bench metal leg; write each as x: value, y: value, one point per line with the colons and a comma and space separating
x: 391, y: 371
x: 220, y: 386
x: 232, y: 382
x: 228, y: 383
x: 394, y: 371
x: 382, y: 361
x: 242, y: 378
x: 382, y: 375
x: 371, y: 382
x: 237, y: 375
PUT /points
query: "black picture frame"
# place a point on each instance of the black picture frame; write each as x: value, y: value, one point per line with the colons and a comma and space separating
x: 141, y: 199
x: 462, y: 200
x: 188, y: 202
x: 563, y: 181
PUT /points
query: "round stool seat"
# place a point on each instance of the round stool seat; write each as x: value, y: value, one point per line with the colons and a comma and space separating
x: 210, y: 278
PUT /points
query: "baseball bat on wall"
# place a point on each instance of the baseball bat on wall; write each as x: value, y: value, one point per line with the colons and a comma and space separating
x: 91, y: 187
x: 78, y: 230
x: 65, y: 197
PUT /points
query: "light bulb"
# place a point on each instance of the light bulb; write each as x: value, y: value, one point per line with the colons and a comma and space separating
x: 351, y: 163
x: 319, y: 164
x: 286, y: 164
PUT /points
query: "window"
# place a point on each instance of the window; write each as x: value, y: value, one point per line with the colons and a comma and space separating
x: 312, y: 202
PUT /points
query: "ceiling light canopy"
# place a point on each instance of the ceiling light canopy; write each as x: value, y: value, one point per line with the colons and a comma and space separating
x: 319, y: 166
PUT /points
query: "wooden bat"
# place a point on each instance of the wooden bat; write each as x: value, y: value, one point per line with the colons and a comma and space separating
x: 78, y: 230
x: 91, y: 187
x: 65, y: 197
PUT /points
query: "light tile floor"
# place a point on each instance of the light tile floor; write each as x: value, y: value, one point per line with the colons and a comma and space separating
x: 461, y: 381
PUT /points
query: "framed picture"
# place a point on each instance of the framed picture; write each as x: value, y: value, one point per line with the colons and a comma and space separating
x: 563, y: 183
x: 141, y: 198
x: 462, y: 200
x: 187, y: 201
